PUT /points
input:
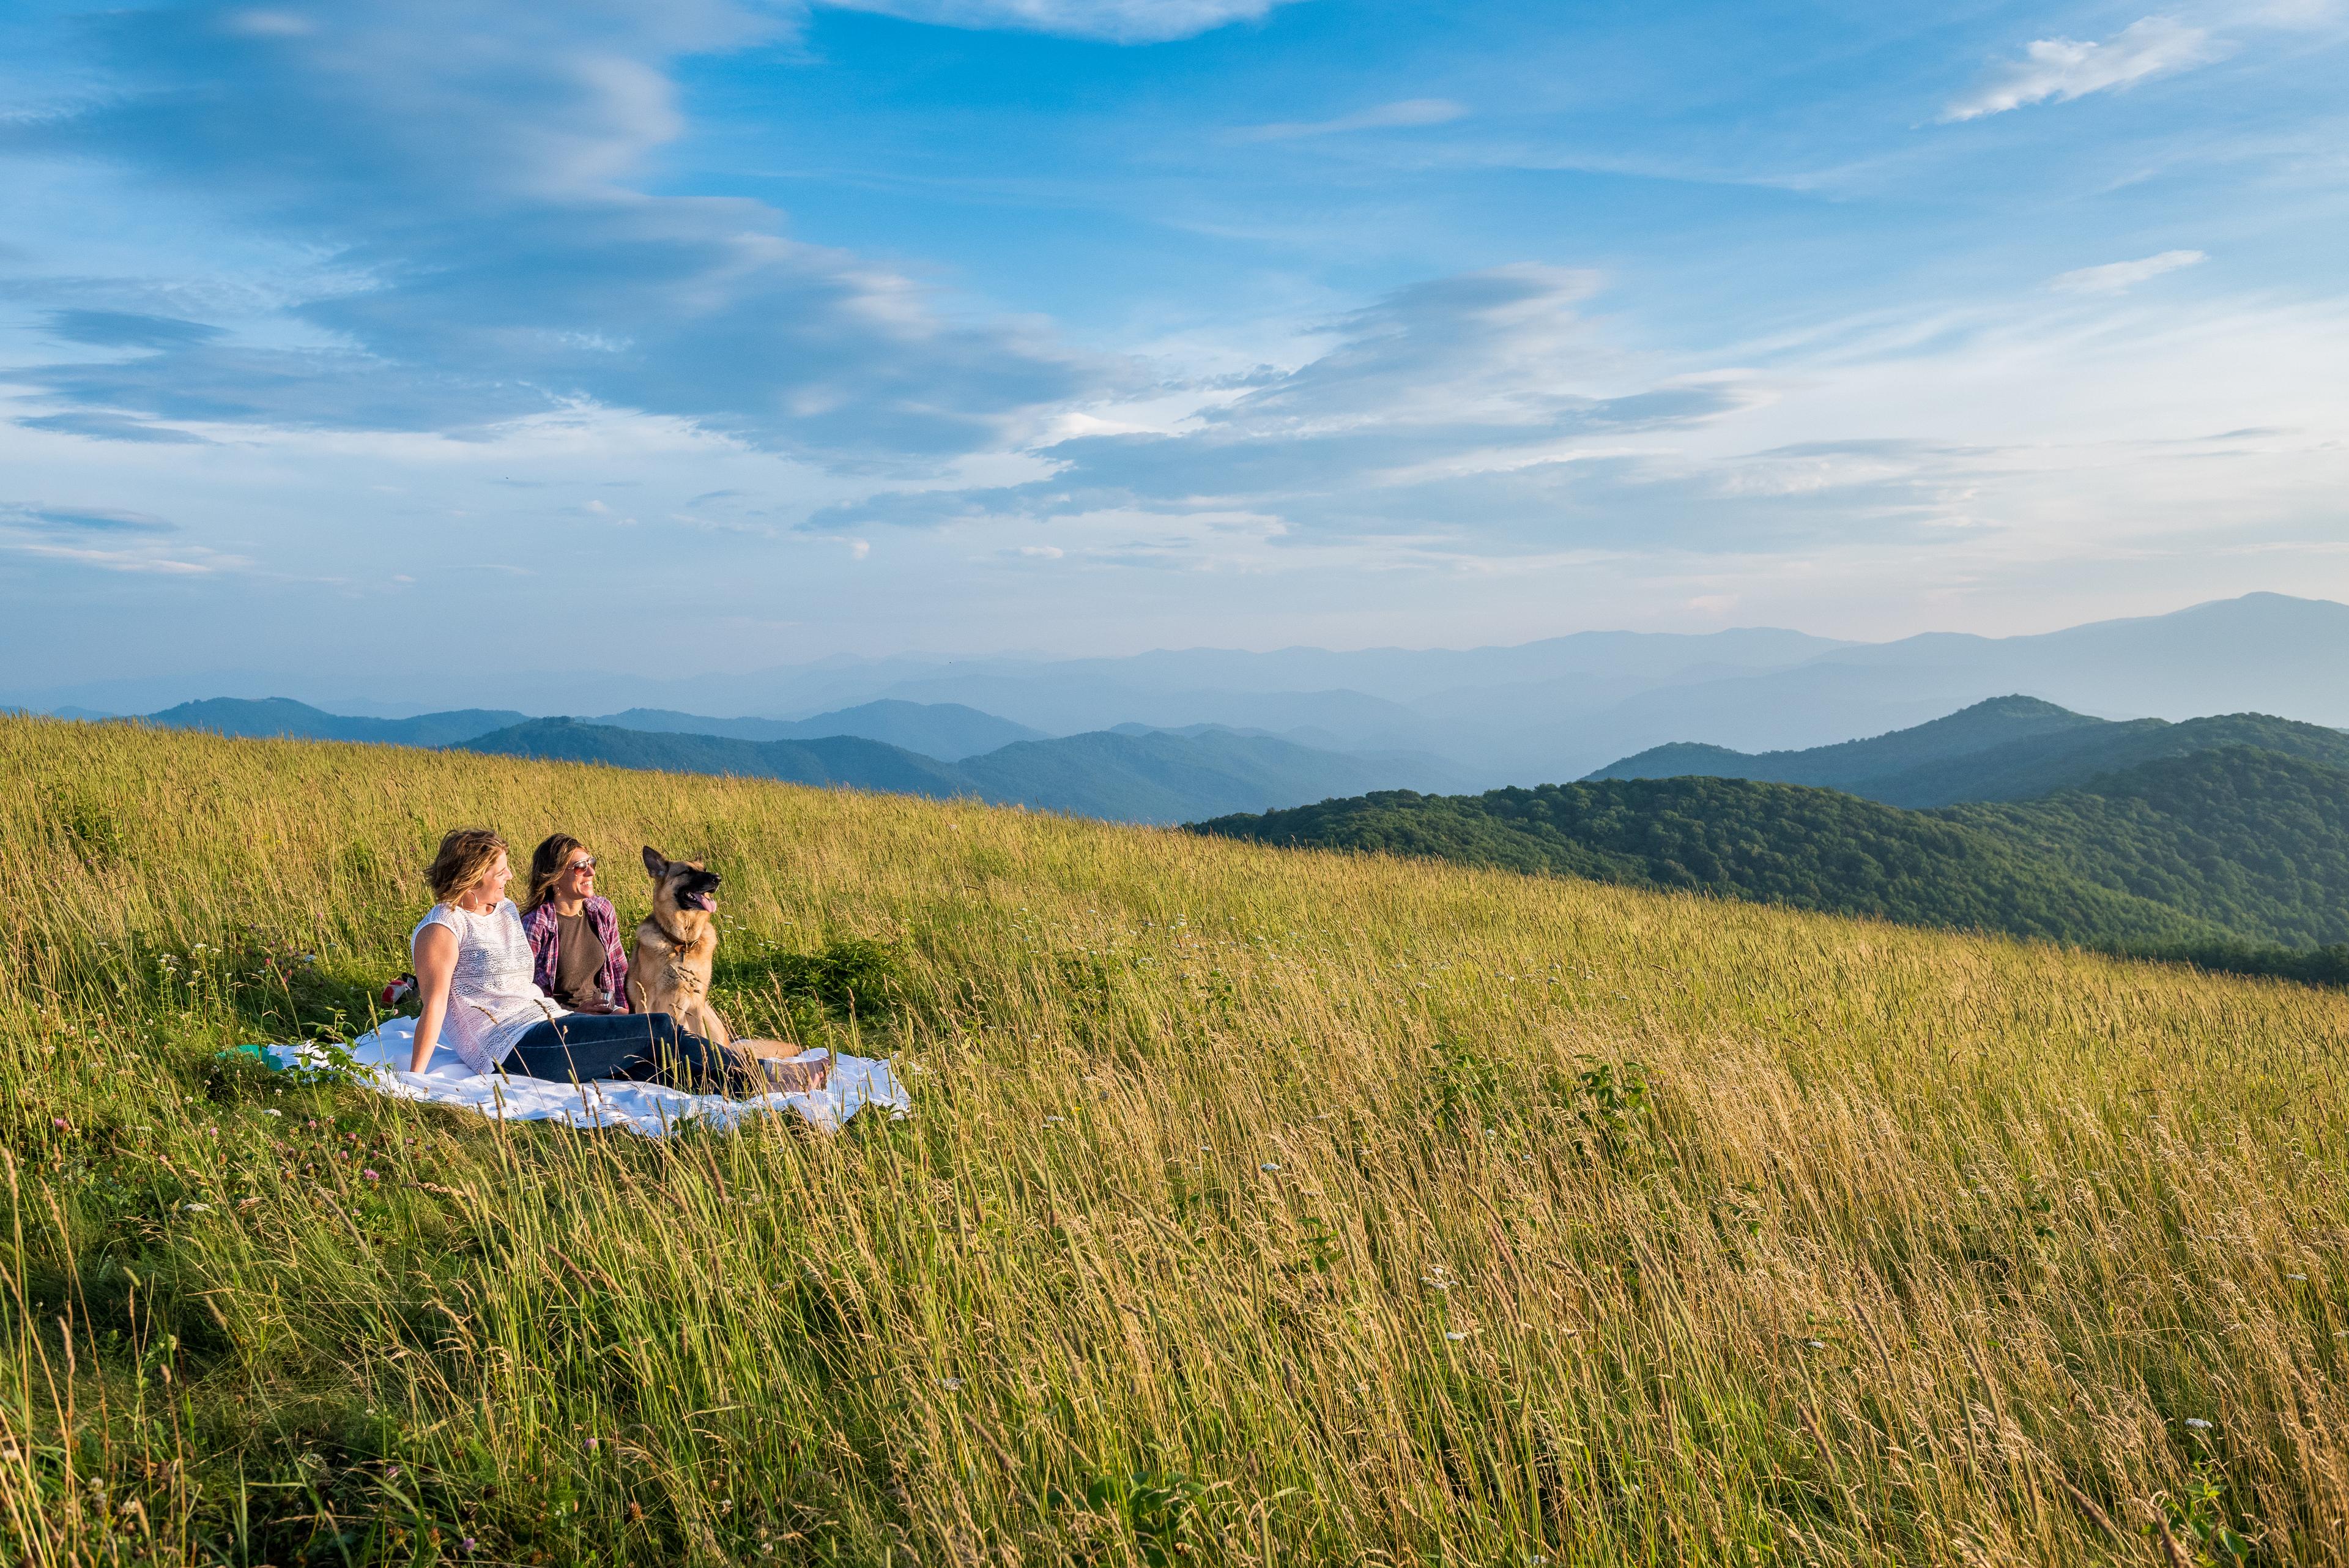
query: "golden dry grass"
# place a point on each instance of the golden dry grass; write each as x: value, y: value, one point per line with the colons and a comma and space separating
x: 1257, y: 1207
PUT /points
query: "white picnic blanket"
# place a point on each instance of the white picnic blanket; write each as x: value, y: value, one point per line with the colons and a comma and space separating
x: 652, y: 1109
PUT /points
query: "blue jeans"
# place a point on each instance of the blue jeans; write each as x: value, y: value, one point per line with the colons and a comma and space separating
x: 582, y: 1046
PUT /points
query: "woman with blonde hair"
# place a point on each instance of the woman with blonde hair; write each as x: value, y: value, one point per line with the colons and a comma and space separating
x: 574, y: 935
x: 473, y: 971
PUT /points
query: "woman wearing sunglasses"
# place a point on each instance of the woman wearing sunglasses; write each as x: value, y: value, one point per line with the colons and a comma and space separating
x: 575, y: 936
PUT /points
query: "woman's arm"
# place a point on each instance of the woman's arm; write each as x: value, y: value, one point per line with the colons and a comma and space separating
x: 436, y: 965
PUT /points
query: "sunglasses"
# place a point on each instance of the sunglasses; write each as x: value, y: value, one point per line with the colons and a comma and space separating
x: 585, y: 862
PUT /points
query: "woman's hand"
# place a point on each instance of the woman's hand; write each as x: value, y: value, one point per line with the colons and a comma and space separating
x: 436, y: 965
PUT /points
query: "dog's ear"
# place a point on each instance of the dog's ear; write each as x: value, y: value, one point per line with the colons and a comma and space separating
x: 656, y: 863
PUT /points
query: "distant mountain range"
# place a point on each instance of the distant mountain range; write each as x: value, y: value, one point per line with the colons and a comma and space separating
x: 1154, y: 776
x: 2219, y: 839
x: 1133, y: 774
x: 270, y: 716
x: 2262, y: 652
x: 2009, y: 748
x: 1537, y: 712
x: 2226, y: 834
x: 946, y: 731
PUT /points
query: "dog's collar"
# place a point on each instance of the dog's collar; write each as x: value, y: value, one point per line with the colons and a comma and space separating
x: 665, y: 931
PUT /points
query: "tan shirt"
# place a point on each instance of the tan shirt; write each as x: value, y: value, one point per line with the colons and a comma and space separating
x: 578, y: 961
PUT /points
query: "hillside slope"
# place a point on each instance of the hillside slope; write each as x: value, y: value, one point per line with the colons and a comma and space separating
x: 1777, y: 844
x: 2232, y: 856
x: 1256, y: 1207
x: 2254, y: 841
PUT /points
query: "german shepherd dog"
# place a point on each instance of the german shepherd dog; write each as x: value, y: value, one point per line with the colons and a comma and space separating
x: 670, y: 965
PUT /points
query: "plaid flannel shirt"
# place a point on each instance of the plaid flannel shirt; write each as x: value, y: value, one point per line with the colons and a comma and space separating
x: 539, y: 924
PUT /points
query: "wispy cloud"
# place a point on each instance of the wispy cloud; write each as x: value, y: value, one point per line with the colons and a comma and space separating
x: 83, y: 519
x: 1485, y: 397
x: 1112, y: 21
x: 2119, y: 277
x: 494, y: 255
x: 102, y: 538
x: 122, y: 329
x: 135, y: 562
x: 1408, y: 112
x: 2059, y: 69
x: 101, y: 426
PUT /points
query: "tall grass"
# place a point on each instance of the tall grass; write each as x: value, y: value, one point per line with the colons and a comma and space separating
x: 1257, y: 1207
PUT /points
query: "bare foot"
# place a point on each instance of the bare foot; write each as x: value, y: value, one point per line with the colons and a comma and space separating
x: 794, y: 1076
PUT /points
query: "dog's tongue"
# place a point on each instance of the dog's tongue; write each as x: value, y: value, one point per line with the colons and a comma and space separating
x: 701, y: 901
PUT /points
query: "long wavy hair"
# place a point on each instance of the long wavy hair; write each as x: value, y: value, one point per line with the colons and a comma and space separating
x: 465, y: 857
x: 545, y: 865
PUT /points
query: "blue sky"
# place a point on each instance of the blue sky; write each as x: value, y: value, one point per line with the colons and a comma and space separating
x: 380, y: 342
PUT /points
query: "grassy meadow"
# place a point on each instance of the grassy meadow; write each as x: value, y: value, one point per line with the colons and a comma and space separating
x: 1257, y: 1207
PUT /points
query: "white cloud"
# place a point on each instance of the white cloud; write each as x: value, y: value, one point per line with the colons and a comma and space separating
x: 2063, y: 69
x: 133, y: 561
x: 2119, y: 277
x: 499, y: 262
x: 109, y: 539
x: 270, y: 24
x: 1409, y: 112
x: 1427, y: 410
x: 1113, y: 21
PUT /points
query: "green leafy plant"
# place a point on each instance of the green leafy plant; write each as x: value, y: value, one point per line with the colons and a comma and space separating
x: 1156, y: 1508
x: 1612, y: 1103
x: 2200, y: 1519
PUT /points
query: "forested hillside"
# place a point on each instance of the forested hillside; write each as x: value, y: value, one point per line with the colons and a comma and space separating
x: 2252, y: 840
x: 2221, y: 855
x: 1778, y: 844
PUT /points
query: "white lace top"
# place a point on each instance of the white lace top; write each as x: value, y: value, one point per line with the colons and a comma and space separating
x: 492, y: 997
